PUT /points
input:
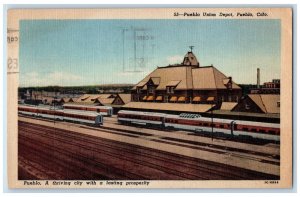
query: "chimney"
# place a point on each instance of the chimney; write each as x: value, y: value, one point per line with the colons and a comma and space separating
x: 258, y: 78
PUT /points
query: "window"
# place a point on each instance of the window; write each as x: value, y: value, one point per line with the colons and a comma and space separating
x: 247, y: 106
x: 234, y: 126
x: 138, y: 90
x: 151, y: 89
x: 272, y: 131
x: 170, y: 89
x: 166, y: 98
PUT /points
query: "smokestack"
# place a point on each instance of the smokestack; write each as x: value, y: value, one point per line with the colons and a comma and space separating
x: 258, y: 78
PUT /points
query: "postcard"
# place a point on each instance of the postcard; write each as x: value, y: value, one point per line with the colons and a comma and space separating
x: 149, y: 98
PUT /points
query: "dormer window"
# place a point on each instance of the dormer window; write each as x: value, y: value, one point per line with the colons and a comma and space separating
x: 171, y: 85
x: 151, y: 89
x: 247, y: 106
x: 228, y: 83
x: 170, y: 90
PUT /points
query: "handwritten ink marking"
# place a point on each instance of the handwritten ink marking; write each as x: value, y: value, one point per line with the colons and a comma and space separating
x: 12, y: 30
x: 10, y: 73
x: 12, y: 39
x: 12, y: 63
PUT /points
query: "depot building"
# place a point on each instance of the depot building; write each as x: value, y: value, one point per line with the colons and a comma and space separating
x: 187, y: 83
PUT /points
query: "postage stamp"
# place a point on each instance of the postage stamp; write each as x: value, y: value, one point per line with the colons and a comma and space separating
x: 149, y: 98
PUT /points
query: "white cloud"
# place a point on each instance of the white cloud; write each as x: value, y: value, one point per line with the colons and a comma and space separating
x: 53, y: 78
x: 129, y: 77
x: 133, y: 73
x: 63, y: 77
x: 175, y: 59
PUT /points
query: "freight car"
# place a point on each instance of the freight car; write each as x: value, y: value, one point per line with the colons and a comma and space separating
x: 194, y: 122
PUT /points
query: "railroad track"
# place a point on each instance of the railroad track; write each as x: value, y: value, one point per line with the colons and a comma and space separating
x: 255, y: 141
x: 153, y: 164
x: 51, y: 161
x: 250, y: 154
x: 199, y: 145
x: 130, y: 157
x: 202, y: 134
x: 268, y: 158
x: 82, y: 167
x: 29, y: 169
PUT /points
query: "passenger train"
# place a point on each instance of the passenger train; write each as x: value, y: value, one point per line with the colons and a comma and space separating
x: 103, y: 110
x: 194, y: 122
x: 74, y: 116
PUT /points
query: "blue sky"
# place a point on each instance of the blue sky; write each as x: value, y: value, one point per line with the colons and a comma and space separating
x: 90, y: 52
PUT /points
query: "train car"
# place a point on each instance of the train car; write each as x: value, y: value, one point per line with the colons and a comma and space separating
x: 41, y: 112
x: 262, y: 130
x: 27, y: 110
x: 196, y: 123
x: 51, y: 114
x: 74, y: 116
x: 83, y: 117
x: 142, y: 118
x: 103, y: 110
x: 192, y: 122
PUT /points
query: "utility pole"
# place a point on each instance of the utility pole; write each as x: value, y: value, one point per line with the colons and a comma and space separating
x: 134, y: 47
x: 212, y: 123
x: 123, y: 36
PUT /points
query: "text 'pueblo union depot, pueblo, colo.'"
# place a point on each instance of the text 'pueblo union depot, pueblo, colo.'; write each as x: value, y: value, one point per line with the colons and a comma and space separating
x: 221, y: 14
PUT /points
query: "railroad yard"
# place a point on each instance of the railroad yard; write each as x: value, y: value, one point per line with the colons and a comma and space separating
x: 57, y: 150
